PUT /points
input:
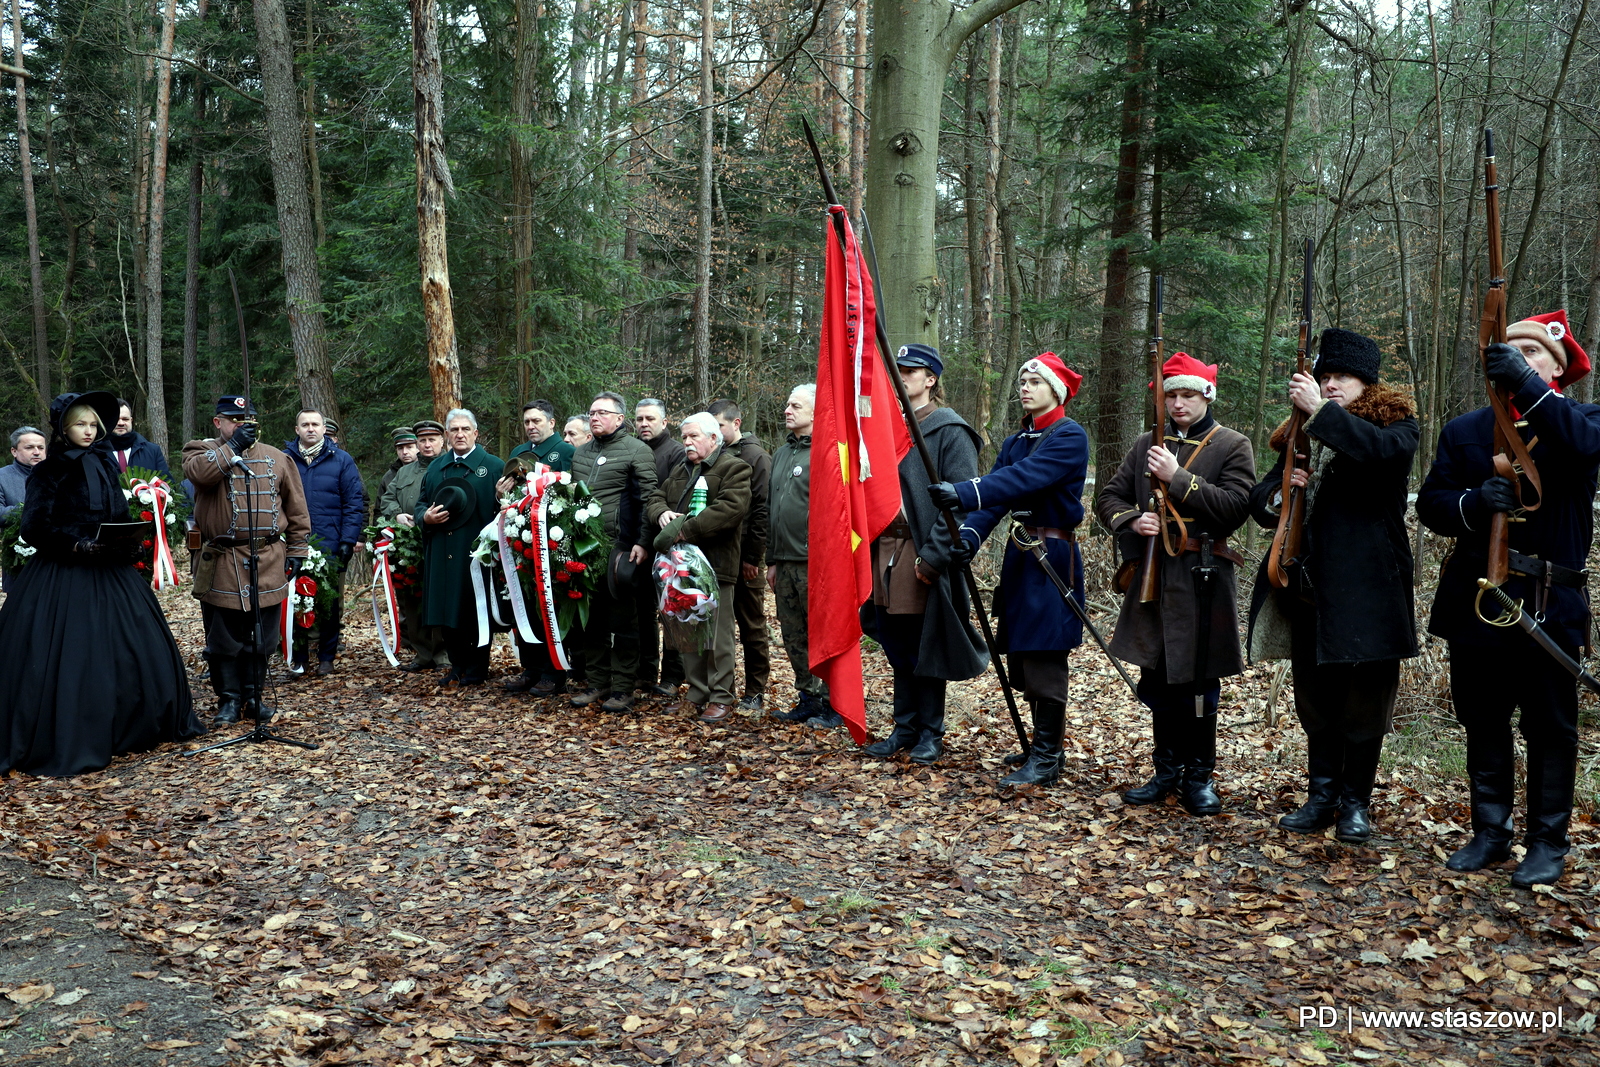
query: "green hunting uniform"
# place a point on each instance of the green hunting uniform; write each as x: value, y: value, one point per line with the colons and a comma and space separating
x: 788, y: 513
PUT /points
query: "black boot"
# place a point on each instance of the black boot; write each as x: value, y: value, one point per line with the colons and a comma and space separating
x: 1197, y: 794
x: 253, y: 678
x: 804, y: 708
x: 1490, y: 774
x: 1044, y: 759
x: 1355, y: 798
x: 225, y: 682
x: 1552, y: 773
x: 906, y: 712
x: 1168, y: 762
x: 1325, y: 758
x: 930, y: 721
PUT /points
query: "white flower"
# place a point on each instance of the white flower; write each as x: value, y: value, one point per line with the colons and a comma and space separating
x: 127, y: 494
x: 23, y: 549
x: 556, y: 507
x: 557, y: 534
x: 527, y: 537
x: 565, y: 478
x: 145, y: 496
x: 171, y: 518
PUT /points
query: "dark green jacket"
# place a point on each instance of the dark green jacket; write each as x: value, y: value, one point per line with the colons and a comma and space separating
x: 621, y: 473
x: 754, y: 546
x: 446, y: 554
x: 789, y: 501
x: 552, y: 451
x: 716, y: 530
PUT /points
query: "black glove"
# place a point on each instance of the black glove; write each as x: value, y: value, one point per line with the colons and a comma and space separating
x: 243, y: 437
x: 88, y: 546
x: 944, y: 496
x: 1498, y: 494
x: 291, y: 568
x: 1506, y: 367
x: 961, y: 552
x: 344, y: 554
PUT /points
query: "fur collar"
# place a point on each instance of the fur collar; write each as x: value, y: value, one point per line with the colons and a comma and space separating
x: 1380, y: 404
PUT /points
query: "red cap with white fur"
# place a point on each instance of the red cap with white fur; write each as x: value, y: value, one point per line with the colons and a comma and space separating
x: 1062, y: 379
x: 1552, y: 331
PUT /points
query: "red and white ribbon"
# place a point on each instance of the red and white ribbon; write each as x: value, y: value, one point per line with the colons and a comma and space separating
x: 163, y: 571
x: 383, y: 583
x: 547, y: 603
x: 286, y: 629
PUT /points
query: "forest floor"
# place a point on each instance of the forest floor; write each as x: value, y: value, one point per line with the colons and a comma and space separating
x: 487, y: 879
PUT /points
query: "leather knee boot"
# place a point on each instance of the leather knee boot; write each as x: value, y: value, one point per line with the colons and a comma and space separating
x: 225, y: 683
x: 1168, y: 761
x: 1552, y: 774
x: 1490, y: 773
x: 905, y: 733
x: 930, y: 720
x: 253, y: 677
x: 1044, y: 758
x: 1325, y: 756
x: 1355, y: 797
x: 1197, y: 793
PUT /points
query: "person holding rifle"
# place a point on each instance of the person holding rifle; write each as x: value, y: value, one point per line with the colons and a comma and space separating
x: 1497, y: 668
x: 1346, y: 619
x: 1038, y: 478
x: 1186, y: 638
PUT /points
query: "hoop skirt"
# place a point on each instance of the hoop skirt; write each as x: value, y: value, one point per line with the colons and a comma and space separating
x: 91, y: 668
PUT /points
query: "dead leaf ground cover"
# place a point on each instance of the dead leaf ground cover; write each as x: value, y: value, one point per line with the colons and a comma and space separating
x: 501, y: 880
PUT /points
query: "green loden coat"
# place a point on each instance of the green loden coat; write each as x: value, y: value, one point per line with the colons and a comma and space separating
x: 716, y: 531
x: 447, y: 555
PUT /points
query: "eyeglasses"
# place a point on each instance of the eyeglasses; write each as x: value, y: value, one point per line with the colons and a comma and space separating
x: 595, y: 413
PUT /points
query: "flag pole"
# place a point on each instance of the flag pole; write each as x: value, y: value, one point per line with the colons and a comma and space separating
x: 921, y: 443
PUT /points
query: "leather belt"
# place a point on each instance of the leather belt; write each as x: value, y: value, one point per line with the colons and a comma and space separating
x: 900, y: 531
x: 1048, y: 531
x: 1219, y: 549
x: 1550, y: 573
x: 256, y: 543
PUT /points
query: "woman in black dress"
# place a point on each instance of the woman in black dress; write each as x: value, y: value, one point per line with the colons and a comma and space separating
x: 92, y: 670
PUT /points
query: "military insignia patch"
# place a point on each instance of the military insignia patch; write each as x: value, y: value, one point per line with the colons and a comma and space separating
x: 482, y: 472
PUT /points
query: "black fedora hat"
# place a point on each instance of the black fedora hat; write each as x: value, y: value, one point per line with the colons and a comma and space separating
x: 622, y: 574
x: 455, y: 496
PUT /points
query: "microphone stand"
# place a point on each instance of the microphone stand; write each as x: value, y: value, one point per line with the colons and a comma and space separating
x: 258, y: 652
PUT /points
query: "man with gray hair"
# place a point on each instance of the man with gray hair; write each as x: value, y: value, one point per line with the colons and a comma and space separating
x: 27, y: 449
x: 456, y: 501
x: 715, y: 527
x: 621, y: 473
x: 660, y: 669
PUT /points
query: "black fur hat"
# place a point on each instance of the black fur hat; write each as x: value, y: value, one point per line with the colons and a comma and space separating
x: 1343, y: 351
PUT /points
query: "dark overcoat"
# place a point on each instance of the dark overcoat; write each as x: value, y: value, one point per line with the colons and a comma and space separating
x: 1211, y: 490
x: 951, y: 648
x: 1559, y: 532
x: 447, y: 554
x: 1355, y: 550
x: 718, y: 530
x: 1038, y: 478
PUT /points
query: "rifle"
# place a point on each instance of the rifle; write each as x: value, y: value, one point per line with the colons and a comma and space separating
x: 1149, y: 574
x: 1511, y: 458
x: 1285, y: 551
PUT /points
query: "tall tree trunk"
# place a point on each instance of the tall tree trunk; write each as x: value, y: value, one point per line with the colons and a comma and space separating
x: 578, y: 62
x: 1591, y: 316
x: 41, y: 331
x: 312, y: 160
x: 302, y: 280
x: 433, y: 186
x: 702, y: 290
x: 191, y: 264
x: 861, y: 61
x: 524, y: 112
x: 984, y: 333
x: 1112, y: 381
x: 914, y: 43
x: 155, y: 372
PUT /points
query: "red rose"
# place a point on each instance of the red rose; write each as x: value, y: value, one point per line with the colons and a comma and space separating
x: 529, y: 553
x: 554, y: 543
x: 146, y: 516
x: 146, y: 544
x: 411, y: 570
x: 562, y: 576
x: 139, y: 566
x: 574, y: 594
x: 577, y: 568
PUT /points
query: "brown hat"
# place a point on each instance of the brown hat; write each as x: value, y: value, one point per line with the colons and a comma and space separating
x: 427, y: 426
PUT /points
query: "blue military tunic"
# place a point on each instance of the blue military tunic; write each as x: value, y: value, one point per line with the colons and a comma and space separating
x: 1038, y: 478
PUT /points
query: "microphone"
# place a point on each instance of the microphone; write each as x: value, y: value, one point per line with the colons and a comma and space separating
x: 238, y: 461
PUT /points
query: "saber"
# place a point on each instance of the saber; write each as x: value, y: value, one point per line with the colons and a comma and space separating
x: 1035, y: 547
x: 1513, y: 610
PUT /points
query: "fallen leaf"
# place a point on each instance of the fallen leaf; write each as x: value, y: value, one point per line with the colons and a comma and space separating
x: 632, y: 1023
x: 1027, y: 1055
x: 1419, y: 950
x: 1279, y: 941
x: 33, y: 991
x: 66, y: 1000
x: 163, y: 1046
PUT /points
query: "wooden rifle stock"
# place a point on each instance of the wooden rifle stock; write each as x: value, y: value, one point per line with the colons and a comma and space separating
x: 1149, y: 569
x: 1285, y: 551
x: 1492, y: 329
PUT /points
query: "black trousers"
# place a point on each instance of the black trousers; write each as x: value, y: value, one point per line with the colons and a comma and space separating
x: 467, y: 658
x: 1486, y: 685
x: 230, y: 632
x: 656, y: 664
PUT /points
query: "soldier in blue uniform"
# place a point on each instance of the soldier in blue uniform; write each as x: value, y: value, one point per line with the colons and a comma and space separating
x: 1038, y: 478
x: 1494, y: 669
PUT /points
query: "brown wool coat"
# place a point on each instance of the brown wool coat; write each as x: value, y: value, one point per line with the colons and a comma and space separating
x: 716, y: 531
x: 1213, y: 495
x: 222, y: 499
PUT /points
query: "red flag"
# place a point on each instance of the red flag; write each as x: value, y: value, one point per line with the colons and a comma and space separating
x: 857, y: 442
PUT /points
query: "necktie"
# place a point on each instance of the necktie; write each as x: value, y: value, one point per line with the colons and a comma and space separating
x: 122, y: 460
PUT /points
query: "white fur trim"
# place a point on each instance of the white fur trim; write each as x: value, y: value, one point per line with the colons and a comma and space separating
x: 1058, y: 388
x: 1205, y: 388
